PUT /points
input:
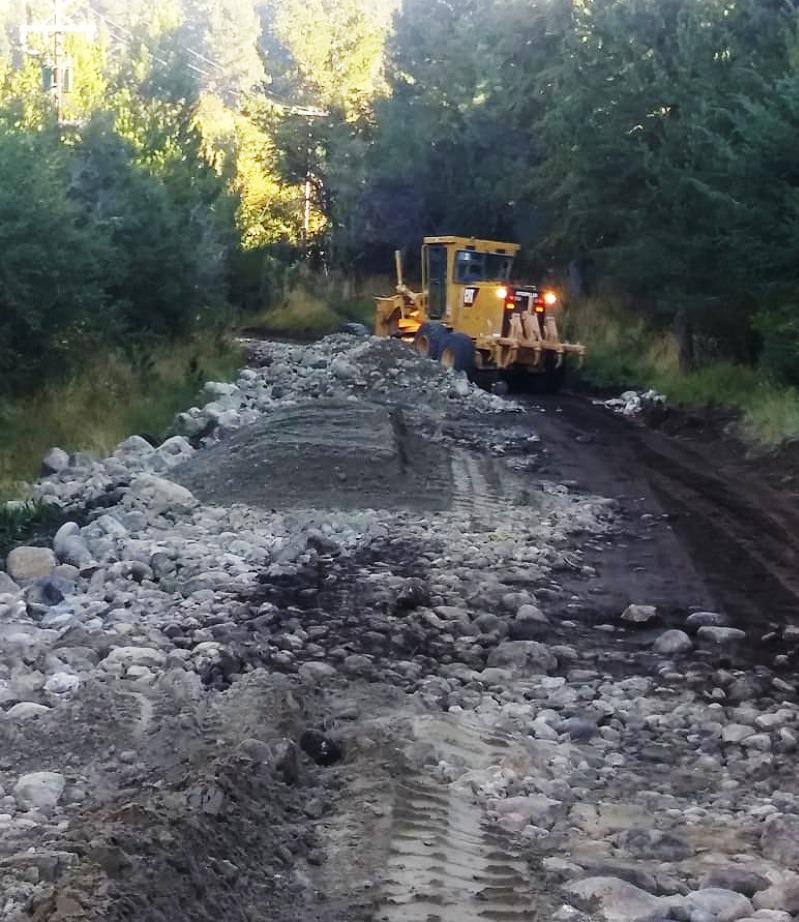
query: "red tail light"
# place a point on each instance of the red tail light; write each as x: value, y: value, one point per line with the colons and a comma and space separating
x: 510, y: 299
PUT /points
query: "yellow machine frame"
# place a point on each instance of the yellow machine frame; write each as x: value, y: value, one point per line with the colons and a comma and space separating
x: 510, y: 326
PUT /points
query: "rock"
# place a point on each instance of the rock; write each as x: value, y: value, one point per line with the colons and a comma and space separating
x: 74, y: 550
x: 7, y: 585
x: 174, y: 450
x: 578, y: 728
x: 54, y: 461
x: 413, y: 593
x: 534, y: 808
x: 160, y: 496
x: 216, y: 389
x: 62, y: 683
x: 543, y: 730
x: 323, y: 749
x: 653, y: 843
x: 783, y: 896
x: 133, y: 447
x: 344, y: 370
x: 673, y: 642
x: 531, y: 613
x: 639, y: 614
x: 736, y: 733
x: 617, y: 900
x: 523, y: 654
x: 24, y: 564
x: 779, y: 840
x: 49, y: 591
x: 122, y: 658
x: 280, y: 756
x: 39, y: 791
x: 316, y: 672
x: 721, y: 905
x: 720, y: 635
x: 26, y: 709
x: 706, y: 619
x: 285, y: 760
x: 67, y: 573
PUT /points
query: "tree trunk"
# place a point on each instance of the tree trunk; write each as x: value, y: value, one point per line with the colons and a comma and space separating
x: 683, y: 331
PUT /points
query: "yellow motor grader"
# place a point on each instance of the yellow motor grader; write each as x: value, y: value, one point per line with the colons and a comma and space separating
x: 470, y: 316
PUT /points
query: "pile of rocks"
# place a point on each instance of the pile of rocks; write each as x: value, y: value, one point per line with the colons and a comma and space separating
x: 634, y: 403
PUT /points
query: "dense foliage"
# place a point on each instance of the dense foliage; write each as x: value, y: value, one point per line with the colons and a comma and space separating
x: 649, y: 145
x: 646, y: 146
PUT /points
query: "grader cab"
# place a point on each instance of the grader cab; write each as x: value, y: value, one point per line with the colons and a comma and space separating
x: 470, y: 316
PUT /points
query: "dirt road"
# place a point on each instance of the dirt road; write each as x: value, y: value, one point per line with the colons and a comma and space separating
x: 363, y: 653
x: 735, y: 542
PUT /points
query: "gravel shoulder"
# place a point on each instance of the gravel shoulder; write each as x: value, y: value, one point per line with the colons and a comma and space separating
x: 361, y: 642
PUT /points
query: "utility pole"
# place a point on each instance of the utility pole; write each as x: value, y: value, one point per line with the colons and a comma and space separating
x: 56, y: 29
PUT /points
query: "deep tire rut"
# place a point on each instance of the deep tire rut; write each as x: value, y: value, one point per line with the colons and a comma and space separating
x: 446, y: 862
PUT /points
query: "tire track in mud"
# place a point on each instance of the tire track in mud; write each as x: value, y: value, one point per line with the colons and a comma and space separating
x: 446, y: 862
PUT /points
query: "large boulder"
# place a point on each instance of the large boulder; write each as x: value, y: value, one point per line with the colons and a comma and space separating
x: 159, y: 496
x: 527, y: 655
x: 39, y: 791
x: 24, y: 564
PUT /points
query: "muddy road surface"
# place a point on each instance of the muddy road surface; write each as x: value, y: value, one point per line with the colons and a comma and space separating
x: 361, y: 643
x: 737, y: 531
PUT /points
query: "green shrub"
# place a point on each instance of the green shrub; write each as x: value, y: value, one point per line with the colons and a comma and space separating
x: 779, y: 330
x: 22, y: 522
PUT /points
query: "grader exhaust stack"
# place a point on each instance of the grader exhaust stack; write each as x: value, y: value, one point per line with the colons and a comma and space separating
x: 470, y: 315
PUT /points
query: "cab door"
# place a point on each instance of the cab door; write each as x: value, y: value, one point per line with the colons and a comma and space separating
x: 437, y: 281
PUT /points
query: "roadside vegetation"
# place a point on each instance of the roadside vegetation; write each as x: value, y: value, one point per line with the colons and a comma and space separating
x: 626, y: 351
x: 112, y: 397
x: 218, y: 162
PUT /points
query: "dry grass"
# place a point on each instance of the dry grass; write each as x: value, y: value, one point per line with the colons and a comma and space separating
x: 319, y: 304
x: 112, y: 398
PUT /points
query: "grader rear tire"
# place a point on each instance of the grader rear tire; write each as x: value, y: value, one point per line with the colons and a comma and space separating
x: 429, y: 340
x: 553, y: 375
x: 457, y: 353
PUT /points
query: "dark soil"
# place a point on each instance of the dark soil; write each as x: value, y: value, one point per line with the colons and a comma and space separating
x: 732, y: 540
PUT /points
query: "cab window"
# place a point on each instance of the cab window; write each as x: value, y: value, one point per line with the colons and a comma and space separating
x: 471, y: 266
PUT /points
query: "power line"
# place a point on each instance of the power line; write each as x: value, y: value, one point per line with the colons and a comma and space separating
x: 288, y: 108
x: 56, y: 27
